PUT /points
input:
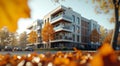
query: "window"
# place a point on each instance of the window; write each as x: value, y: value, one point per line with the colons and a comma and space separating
x: 78, y: 20
x: 78, y: 29
x: 73, y: 37
x: 74, y: 28
x: 57, y: 25
x: 78, y: 40
x: 73, y: 18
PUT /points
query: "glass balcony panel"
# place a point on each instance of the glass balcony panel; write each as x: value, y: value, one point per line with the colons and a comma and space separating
x: 63, y: 37
x: 62, y: 27
x: 62, y: 16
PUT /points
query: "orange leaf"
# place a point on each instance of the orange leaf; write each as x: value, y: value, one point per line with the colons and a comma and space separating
x: 11, y: 11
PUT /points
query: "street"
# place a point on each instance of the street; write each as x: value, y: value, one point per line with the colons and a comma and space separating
x: 16, y: 52
x: 29, y: 52
x: 23, y: 52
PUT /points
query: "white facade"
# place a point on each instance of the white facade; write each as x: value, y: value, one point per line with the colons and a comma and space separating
x: 66, y: 23
x: 68, y: 27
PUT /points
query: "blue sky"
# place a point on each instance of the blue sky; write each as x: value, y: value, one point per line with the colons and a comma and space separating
x: 40, y: 8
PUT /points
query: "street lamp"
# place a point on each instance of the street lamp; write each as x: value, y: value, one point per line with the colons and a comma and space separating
x: 117, y: 24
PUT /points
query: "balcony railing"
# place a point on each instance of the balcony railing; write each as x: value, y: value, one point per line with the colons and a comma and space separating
x: 62, y: 16
x: 64, y: 38
x: 63, y: 28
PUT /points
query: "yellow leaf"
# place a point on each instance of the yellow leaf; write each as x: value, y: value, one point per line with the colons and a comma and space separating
x: 105, y: 57
x: 11, y: 11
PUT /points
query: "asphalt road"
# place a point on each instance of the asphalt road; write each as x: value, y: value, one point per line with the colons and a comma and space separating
x: 27, y: 52
x: 16, y: 52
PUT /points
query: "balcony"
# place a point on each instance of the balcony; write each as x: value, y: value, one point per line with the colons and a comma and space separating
x: 63, y: 28
x: 60, y: 17
x: 63, y: 39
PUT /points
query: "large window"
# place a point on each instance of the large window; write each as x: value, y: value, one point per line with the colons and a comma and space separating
x: 73, y: 37
x: 57, y: 25
x: 78, y: 29
x: 78, y: 40
x: 74, y: 28
x: 73, y: 17
x: 78, y: 20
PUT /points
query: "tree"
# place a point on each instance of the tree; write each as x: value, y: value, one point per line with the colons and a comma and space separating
x: 108, y: 38
x: 103, y: 34
x: 13, y: 39
x: 7, y: 38
x: 32, y: 37
x: 4, y: 36
x: 106, y: 6
x: 109, y: 5
x: 11, y: 11
x: 23, y: 39
x: 94, y: 36
x: 48, y: 33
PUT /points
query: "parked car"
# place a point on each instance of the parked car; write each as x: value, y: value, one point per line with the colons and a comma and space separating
x: 81, y: 47
x: 0, y: 49
x: 8, y: 48
x: 17, y: 49
x: 29, y: 49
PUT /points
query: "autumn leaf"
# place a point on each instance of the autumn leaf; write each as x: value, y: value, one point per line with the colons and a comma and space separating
x: 11, y: 11
x: 105, y: 57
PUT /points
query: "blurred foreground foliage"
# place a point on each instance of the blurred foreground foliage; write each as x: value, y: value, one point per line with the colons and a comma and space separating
x: 11, y: 11
x: 105, y: 56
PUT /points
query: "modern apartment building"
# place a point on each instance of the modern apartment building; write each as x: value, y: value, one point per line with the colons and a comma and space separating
x: 71, y: 29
